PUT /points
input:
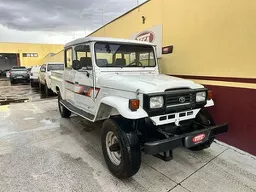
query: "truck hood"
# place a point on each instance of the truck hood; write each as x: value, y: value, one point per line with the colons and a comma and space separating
x: 145, y: 83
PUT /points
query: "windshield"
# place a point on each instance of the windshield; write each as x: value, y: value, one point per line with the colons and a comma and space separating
x: 52, y: 67
x: 35, y: 69
x: 18, y: 69
x: 123, y: 55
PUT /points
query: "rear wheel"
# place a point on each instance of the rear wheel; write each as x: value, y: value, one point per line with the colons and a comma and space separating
x: 121, y: 149
x: 41, y: 86
x: 64, y: 112
x: 205, y: 118
x: 12, y: 81
x: 32, y: 84
x: 47, y: 91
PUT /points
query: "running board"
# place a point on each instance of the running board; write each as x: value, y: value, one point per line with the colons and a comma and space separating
x: 77, y: 111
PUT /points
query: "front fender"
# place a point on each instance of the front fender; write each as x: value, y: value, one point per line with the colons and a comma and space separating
x: 121, y: 105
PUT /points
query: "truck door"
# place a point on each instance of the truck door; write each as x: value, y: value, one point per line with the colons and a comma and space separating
x: 83, y: 79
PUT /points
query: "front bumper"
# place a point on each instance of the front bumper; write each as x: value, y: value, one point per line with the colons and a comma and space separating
x: 20, y: 77
x: 171, y: 143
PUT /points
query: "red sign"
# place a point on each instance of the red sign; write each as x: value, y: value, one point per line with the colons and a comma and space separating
x: 147, y: 36
x: 198, y: 138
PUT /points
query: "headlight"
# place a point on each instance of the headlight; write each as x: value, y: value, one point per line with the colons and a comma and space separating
x: 201, y: 96
x: 156, y: 102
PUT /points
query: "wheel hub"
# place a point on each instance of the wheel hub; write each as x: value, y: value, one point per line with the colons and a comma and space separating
x: 113, y: 148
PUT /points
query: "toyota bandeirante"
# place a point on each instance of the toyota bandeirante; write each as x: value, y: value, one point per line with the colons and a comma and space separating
x: 118, y: 81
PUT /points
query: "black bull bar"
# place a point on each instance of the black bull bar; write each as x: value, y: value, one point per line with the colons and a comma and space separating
x: 171, y: 143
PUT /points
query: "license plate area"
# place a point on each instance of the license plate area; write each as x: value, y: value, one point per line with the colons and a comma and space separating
x: 196, y: 139
x: 19, y: 77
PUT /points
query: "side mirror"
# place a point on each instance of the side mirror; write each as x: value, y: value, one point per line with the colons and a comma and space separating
x: 167, y: 49
x: 76, y: 65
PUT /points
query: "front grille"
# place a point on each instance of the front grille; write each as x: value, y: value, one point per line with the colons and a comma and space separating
x: 178, y: 101
x: 172, y: 101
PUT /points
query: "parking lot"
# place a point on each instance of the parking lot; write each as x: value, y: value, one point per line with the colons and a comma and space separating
x: 39, y: 151
x: 20, y: 92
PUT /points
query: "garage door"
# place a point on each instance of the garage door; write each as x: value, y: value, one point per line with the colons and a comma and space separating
x: 7, y: 60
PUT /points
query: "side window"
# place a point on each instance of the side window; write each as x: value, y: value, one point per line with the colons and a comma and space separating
x: 68, y: 58
x: 83, y: 54
x: 42, y: 69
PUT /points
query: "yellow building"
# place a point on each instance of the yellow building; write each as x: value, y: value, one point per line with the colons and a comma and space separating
x: 214, y: 44
x: 25, y: 54
x: 58, y: 57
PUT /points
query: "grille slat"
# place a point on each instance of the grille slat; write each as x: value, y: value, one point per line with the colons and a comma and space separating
x: 172, y: 99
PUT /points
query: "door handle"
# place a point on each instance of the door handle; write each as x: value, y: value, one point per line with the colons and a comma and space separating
x: 76, y: 83
x: 85, y: 71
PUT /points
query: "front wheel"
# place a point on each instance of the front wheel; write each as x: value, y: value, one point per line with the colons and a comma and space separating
x: 64, y: 112
x: 121, y: 149
x: 205, y: 118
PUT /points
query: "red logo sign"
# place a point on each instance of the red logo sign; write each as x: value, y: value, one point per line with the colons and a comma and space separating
x: 198, y: 138
x: 147, y: 36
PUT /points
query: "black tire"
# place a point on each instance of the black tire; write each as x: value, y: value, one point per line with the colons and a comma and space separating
x: 12, y: 82
x: 32, y: 84
x: 205, y: 118
x: 47, y: 91
x: 41, y: 86
x: 130, y: 151
x: 64, y: 112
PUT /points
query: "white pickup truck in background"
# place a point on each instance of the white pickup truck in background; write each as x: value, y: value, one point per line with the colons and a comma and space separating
x: 118, y: 81
x: 45, y: 73
x: 34, y: 75
x: 56, y: 81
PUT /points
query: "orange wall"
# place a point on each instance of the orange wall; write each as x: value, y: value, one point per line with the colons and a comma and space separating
x: 210, y: 38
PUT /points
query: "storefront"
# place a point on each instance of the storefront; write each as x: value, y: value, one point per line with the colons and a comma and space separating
x: 214, y: 44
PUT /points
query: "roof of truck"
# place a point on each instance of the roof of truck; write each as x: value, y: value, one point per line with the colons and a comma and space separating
x: 106, y: 39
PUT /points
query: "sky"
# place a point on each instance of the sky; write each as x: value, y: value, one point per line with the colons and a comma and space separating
x: 56, y: 21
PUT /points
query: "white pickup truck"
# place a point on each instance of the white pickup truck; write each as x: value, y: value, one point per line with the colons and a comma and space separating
x: 45, y: 73
x: 118, y: 81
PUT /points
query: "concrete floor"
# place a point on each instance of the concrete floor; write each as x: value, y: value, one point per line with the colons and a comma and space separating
x: 17, y: 93
x: 39, y: 151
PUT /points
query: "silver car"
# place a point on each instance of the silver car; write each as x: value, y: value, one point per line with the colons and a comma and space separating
x: 19, y: 74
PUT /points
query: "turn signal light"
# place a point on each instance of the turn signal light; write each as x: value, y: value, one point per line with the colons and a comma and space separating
x: 210, y: 95
x: 134, y: 104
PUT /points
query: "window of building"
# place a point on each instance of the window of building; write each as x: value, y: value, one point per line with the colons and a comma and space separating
x: 30, y: 55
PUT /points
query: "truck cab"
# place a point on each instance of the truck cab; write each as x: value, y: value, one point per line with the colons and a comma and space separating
x: 118, y: 81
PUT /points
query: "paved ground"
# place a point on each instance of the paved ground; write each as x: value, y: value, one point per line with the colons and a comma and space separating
x: 39, y: 151
x: 17, y: 93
